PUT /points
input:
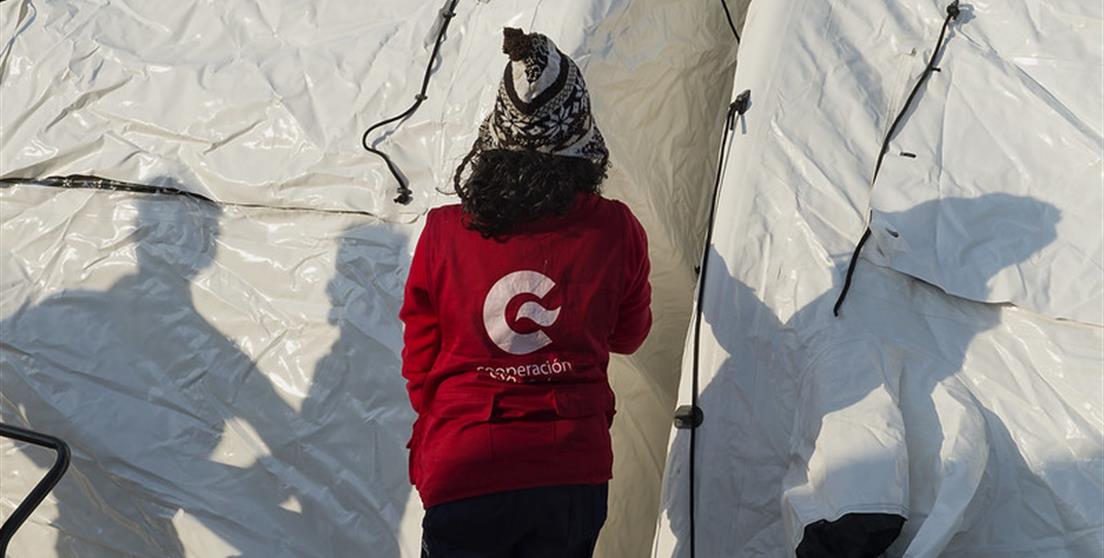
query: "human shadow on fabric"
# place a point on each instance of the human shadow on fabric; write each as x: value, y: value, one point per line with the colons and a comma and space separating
x: 868, y: 397
x: 348, y: 445
x: 144, y: 388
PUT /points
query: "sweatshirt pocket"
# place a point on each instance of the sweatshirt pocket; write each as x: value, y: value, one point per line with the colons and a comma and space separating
x: 592, y: 400
x: 582, y: 403
x: 477, y: 407
x: 585, y: 416
x: 454, y: 441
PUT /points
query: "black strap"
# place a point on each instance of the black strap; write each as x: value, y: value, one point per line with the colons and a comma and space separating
x: 732, y: 25
x: 695, y: 415
x: 404, y: 196
x: 953, y: 12
x: 88, y: 182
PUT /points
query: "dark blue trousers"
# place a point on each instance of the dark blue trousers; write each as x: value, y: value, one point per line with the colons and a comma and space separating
x: 552, y: 522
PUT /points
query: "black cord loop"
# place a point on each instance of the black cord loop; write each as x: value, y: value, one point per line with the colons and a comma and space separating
x: 953, y: 11
x: 404, y: 193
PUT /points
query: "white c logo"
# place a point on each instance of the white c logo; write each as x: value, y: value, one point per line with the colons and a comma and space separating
x: 494, y: 311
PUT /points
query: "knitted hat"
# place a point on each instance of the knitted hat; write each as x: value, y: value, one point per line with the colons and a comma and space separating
x: 542, y: 104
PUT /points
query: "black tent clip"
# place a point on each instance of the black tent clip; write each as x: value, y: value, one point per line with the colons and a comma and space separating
x: 953, y: 10
x: 739, y: 106
x: 742, y: 102
x: 688, y: 416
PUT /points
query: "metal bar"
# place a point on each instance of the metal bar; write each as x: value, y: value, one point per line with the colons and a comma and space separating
x: 44, y: 486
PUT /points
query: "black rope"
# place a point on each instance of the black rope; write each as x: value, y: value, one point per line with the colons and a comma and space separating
x: 86, y: 182
x: 404, y: 196
x: 728, y: 15
x: 736, y: 109
x: 953, y: 12
x: 851, y: 271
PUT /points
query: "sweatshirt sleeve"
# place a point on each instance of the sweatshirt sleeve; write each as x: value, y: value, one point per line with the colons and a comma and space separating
x: 634, y: 320
x: 421, y: 331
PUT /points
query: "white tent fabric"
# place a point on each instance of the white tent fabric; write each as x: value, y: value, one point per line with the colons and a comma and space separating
x: 227, y: 374
x: 223, y: 378
x: 1016, y: 109
x: 981, y: 423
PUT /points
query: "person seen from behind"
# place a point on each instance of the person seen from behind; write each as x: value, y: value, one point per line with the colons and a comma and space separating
x: 515, y: 299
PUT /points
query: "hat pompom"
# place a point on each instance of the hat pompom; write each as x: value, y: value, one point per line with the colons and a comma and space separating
x: 515, y: 43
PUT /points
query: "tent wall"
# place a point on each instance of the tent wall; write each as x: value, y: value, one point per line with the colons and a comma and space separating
x: 969, y: 401
x: 228, y: 375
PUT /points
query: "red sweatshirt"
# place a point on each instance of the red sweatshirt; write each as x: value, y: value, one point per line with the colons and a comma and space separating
x: 507, y: 343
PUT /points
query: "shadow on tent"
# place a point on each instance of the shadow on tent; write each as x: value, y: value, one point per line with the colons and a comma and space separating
x: 804, y: 371
x: 145, y: 388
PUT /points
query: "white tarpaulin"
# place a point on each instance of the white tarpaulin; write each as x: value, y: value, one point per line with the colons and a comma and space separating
x: 981, y: 423
x: 1016, y: 109
x: 228, y: 374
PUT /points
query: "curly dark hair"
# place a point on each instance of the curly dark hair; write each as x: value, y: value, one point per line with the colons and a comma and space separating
x: 507, y: 187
